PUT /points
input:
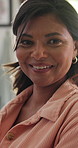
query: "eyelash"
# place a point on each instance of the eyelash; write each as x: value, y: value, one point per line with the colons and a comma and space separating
x: 29, y: 43
x: 26, y: 42
x: 56, y: 42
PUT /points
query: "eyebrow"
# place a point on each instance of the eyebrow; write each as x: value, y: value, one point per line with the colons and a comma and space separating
x: 27, y: 35
x: 52, y: 34
x: 47, y: 35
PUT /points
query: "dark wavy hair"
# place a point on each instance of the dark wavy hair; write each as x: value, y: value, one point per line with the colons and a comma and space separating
x: 35, y: 8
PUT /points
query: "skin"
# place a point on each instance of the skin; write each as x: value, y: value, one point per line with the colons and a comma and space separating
x: 45, y: 41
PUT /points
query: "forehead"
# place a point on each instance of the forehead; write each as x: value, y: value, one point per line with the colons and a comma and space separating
x: 45, y: 23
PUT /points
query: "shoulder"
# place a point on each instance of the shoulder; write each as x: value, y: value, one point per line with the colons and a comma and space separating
x: 14, y: 106
x: 19, y: 99
x: 69, y: 108
x: 69, y: 111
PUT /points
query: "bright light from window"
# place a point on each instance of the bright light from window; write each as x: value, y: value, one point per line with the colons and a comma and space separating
x: 74, y: 3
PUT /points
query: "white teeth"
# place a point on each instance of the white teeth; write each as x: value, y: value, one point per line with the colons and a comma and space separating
x: 42, y: 67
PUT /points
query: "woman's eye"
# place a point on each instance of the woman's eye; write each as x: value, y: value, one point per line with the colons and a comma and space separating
x: 26, y: 43
x: 55, y: 42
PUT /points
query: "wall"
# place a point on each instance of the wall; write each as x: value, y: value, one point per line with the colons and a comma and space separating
x: 7, y: 55
x: 74, y: 3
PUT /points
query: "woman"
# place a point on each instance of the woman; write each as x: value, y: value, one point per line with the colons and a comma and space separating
x: 45, y: 112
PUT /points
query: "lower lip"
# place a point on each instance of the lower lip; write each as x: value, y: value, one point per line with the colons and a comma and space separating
x: 41, y: 70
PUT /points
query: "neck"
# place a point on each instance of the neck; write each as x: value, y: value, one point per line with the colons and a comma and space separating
x: 42, y: 94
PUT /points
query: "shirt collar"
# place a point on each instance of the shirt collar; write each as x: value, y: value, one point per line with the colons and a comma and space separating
x: 50, y: 110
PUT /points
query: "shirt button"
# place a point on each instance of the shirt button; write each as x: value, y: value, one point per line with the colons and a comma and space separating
x: 10, y: 136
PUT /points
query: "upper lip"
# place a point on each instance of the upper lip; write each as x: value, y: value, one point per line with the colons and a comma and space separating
x: 40, y: 64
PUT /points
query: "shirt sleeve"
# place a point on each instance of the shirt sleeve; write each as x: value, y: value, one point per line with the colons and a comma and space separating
x: 69, y: 139
x: 69, y: 132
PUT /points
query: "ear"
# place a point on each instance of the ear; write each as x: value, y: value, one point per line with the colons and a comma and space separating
x: 75, y: 53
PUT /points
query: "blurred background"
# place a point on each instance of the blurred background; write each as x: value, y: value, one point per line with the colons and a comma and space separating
x: 8, y: 9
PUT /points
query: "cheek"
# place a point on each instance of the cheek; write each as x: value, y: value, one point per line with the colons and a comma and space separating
x: 64, y: 61
x: 22, y: 60
x: 20, y: 55
x: 66, y: 55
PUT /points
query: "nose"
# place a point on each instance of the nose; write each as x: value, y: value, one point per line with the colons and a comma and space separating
x: 39, y: 52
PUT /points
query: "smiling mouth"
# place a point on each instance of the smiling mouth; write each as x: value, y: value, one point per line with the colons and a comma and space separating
x: 41, y: 67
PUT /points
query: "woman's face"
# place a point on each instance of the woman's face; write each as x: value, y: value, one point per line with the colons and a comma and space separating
x: 45, y: 50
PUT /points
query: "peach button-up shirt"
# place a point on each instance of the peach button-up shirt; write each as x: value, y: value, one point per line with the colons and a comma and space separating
x: 55, y: 125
